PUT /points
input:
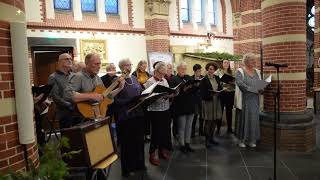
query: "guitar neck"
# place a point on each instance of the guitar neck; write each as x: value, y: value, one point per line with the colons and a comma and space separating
x: 110, y: 88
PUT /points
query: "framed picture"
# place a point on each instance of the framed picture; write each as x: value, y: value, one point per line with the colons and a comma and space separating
x: 94, y: 46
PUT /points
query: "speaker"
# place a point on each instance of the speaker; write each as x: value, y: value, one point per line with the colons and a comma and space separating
x: 94, y: 139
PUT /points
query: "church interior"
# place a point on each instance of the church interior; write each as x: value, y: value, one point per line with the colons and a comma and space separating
x: 282, y: 35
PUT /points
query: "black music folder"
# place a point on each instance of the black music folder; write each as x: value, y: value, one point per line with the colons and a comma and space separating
x: 43, y: 89
x: 157, y: 88
x: 145, y: 100
x: 192, y: 82
x: 226, y: 78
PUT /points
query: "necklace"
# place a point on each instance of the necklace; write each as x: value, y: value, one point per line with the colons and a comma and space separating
x: 129, y: 84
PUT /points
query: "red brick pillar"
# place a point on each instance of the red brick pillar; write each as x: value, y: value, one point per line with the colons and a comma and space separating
x: 284, y: 41
x: 11, y: 151
x: 316, y: 46
x: 247, y: 26
x: 157, y: 26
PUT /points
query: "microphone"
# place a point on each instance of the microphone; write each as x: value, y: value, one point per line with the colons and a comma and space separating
x: 276, y: 65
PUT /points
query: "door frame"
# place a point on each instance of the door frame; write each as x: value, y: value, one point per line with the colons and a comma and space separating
x: 35, y: 49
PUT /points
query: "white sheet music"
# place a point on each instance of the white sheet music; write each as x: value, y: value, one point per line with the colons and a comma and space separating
x: 150, y: 89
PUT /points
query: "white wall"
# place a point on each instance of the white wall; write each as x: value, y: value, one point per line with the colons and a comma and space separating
x: 173, y: 16
x: 221, y: 45
x: 131, y: 46
x: 229, y: 22
x: 33, y: 11
x: 138, y: 13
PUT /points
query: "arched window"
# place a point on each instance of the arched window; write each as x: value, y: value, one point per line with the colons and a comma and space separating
x: 62, y: 4
x: 111, y: 6
x: 198, y: 11
x: 185, y: 11
x: 212, y: 12
x: 88, y: 5
x: 311, y: 20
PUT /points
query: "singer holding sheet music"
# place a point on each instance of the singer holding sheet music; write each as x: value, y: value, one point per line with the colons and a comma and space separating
x: 184, y: 107
x: 210, y: 88
x: 247, y: 103
x: 159, y: 116
x: 227, y: 96
x: 130, y: 125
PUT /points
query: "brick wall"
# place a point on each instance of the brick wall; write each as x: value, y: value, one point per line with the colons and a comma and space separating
x: 224, y: 14
x: 247, y: 32
x: 11, y: 151
x: 299, y: 140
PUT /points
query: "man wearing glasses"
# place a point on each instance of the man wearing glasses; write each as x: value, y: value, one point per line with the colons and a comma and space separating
x: 59, y: 81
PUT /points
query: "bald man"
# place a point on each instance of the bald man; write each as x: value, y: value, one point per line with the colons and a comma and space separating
x: 59, y: 81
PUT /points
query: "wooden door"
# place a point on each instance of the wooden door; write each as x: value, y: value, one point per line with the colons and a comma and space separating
x: 45, y: 64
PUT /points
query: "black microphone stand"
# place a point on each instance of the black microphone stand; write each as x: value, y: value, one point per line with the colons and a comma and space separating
x: 276, y: 96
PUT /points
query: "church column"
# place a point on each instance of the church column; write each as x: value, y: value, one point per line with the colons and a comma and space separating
x: 284, y: 41
x: 157, y: 25
x: 16, y: 112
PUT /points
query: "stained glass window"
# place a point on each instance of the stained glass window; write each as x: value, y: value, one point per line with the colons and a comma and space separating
x: 311, y: 19
x: 212, y: 12
x: 88, y: 5
x: 111, y: 6
x: 185, y: 14
x: 62, y: 4
x: 198, y: 11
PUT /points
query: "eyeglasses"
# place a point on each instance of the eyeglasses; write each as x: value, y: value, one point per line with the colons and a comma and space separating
x: 128, y: 65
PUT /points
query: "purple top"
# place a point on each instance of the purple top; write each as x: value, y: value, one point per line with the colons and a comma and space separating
x: 131, y: 89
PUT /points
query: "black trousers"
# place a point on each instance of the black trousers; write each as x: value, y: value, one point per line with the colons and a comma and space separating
x: 195, y: 118
x: 131, y: 139
x: 160, y: 130
x: 227, y: 100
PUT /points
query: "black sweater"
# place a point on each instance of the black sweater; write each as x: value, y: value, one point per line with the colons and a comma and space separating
x: 205, y: 87
x: 183, y: 104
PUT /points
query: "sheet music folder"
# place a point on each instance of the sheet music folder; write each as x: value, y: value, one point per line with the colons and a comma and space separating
x: 226, y: 78
x: 157, y: 88
x: 144, y: 100
x: 43, y: 89
x: 260, y: 85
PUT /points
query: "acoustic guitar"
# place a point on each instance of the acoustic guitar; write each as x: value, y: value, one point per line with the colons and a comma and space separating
x: 98, y: 109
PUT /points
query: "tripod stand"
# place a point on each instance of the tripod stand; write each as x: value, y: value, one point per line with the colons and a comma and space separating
x: 276, y: 97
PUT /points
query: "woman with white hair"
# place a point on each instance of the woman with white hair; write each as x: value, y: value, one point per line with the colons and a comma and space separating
x: 184, y: 107
x: 247, y: 102
x: 130, y: 126
x: 159, y: 116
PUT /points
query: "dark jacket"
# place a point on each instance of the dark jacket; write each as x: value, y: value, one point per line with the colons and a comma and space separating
x: 197, y: 98
x: 183, y: 104
x: 205, y: 87
x: 107, y: 80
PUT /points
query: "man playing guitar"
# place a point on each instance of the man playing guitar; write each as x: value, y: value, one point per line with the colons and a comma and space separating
x: 85, y: 81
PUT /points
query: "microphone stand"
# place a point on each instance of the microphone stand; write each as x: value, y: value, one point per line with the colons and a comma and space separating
x: 276, y: 96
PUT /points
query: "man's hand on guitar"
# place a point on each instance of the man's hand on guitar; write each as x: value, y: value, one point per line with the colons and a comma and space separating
x: 96, y: 97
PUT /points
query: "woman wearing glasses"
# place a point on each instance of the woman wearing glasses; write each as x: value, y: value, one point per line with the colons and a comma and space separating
x: 159, y: 116
x: 130, y: 126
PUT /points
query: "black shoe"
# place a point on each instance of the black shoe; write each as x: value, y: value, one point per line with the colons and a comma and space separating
x: 183, y: 149
x: 189, y: 149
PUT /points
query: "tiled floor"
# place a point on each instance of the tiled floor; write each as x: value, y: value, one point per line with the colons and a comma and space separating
x: 228, y: 162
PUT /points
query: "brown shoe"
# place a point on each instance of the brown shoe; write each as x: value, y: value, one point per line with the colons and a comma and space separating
x: 153, y: 160
x: 163, y: 154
